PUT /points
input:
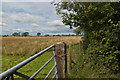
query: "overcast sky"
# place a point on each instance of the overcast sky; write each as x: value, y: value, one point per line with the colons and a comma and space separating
x: 32, y: 17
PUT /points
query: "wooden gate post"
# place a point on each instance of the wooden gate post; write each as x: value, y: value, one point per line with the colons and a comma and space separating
x: 61, y: 59
x: 69, y: 60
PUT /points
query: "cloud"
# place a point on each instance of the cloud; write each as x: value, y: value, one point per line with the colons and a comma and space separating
x: 34, y: 24
x: 21, y: 17
x: 42, y: 16
x: 39, y: 8
x: 55, y: 23
x: 27, y: 0
x: 3, y: 24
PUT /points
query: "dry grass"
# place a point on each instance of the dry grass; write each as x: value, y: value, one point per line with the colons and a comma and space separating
x: 30, y: 45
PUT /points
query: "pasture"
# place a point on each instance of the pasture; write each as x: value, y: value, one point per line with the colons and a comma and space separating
x: 22, y: 46
x: 17, y: 49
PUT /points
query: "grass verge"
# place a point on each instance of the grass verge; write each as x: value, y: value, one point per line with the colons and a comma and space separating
x: 82, y: 69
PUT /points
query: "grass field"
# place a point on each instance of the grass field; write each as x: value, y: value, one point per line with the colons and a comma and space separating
x: 17, y: 49
x: 22, y: 46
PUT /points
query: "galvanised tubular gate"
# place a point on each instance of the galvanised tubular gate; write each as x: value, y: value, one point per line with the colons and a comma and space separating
x: 9, y: 73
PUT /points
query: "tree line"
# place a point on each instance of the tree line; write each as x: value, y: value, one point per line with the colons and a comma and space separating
x: 25, y: 34
x: 101, y: 24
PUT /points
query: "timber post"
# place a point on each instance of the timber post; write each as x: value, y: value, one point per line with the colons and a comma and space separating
x: 61, y: 59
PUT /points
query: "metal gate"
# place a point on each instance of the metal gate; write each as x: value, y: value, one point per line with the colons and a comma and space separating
x: 9, y: 74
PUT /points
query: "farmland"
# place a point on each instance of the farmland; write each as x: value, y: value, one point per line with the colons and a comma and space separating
x: 31, y: 45
x: 17, y: 49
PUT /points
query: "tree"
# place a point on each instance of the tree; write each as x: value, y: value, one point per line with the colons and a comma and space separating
x: 46, y: 35
x: 58, y: 35
x: 38, y: 34
x: 5, y: 35
x: 16, y: 34
x: 25, y: 34
x: 77, y: 31
x: 100, y: 24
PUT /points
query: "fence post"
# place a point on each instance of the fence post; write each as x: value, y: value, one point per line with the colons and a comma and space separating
x: 81, y: 48
x: 60, y: 49
x: 69, y: 60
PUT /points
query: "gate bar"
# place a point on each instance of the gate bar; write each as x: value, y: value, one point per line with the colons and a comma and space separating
x: 41, y: 68
x: 50, y: 72
x: 54, y: 76
x: 18, y: 66
x: 55, y: 63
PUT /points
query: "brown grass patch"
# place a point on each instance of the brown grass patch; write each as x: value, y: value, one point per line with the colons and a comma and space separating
x: 31, y: 45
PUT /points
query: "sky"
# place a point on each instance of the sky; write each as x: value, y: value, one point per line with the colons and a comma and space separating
x: 31, y: 17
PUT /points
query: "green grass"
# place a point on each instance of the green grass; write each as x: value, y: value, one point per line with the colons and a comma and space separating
x: 9, y: 61
x: 80, y: 68
x: 84, y: 69
x: 17, y: 49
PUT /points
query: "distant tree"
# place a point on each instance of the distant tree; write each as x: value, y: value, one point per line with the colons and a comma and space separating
x: 38, y: 34
x: 46, y: 34
x: 69, y: 35
x: 25, y: 34
x: 72, y: 35
x: 57, y: 35
x: 16, y: 34
x: 5, y: 35
x: 65, y: 35
x: 54, y: 35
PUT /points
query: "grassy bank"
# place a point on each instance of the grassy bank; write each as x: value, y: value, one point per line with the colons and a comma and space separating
x: 84, y: 69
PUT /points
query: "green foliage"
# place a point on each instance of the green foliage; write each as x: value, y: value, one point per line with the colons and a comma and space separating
x: 16, y: 34
x: 5, y: 35
x: 25, y: 34
x: 38, y: 34
x: 101, y: 26
x: 106, y: 47
x: 46, y: 35
x: 77, y: 31
x: 83, y: 69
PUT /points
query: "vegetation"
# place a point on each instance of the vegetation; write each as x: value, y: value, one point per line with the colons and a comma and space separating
x: 25, y: 34
x: 16, y: 34
x: 31, y: 67
x: 30, y: 45
x: 47, y: 35
x: 17, y: 49
x: 100, y: 23
x: 5, y: 35
x: 38, y: 34
x: 82, y: 69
